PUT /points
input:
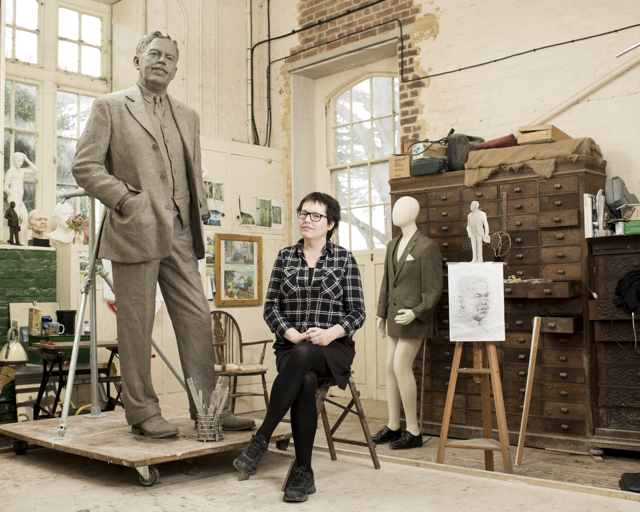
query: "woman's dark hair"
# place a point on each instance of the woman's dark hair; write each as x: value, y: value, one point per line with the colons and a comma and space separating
x: 333, y: 208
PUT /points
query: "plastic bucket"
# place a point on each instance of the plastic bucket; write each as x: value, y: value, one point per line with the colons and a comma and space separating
x: 67, y: 317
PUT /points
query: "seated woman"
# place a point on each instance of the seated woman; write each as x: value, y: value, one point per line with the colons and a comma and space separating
x: 314, y: 305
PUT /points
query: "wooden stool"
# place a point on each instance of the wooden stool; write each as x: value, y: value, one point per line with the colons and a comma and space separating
x: 321, y: 396
x: 483, y: 352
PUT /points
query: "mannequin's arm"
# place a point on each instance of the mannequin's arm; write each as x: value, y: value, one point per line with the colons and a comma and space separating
x: 381, y: 324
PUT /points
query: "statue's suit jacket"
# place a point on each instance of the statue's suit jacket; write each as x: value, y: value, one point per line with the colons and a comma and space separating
x: 415, y: 284
x: 117, y: 153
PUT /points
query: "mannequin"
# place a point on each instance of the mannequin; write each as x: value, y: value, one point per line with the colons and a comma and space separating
x: 478, y: 230
x: 411, y: 288
x: 60, y: 215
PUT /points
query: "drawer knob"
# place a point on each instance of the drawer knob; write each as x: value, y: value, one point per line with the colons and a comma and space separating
x: 517, y: 190
x: 518, y: 240
x: 522, y: 390
x: 557, y: 185
x: 558, y: 203
x: 519, y: 256
x: 445, y: 322
x: 563, y: 340
x: 521, y: 407
x: 560, y: 254
x: 447, y: 354
x: 518, y: 223
x: 564, y: 427
x: 561, y: 272
x: 518, y: 206
x: 522, y: 374
x: 546, y: 291
x: 519, y: 273
x: 564, y: 393
x: 444, y: 214
x: 508, y: 290
x: 443, y: 198
x: 564, y: 410
x: 551, y: 325
x: 561, y: 306
x: 445, y: 307
x: 445, y: 244
x: 446, y: 338
x: 446, y: 384
x: 478, y: 194
x: 522, y: 357
x: 445, y: 228
x: 557, y: 219
x: 519, y: 322
x: 447, y: 368
x: 564, y: 375
x: 521, y: 340
x: 560, y: 237
x: 444, y: 260
x: 563, y: 359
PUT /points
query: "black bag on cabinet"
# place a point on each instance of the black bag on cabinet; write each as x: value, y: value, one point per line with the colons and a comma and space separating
x: 429, y: 165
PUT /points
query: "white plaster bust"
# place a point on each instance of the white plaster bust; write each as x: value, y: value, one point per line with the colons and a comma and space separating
x: 37, y: 223
x: 60, y: 215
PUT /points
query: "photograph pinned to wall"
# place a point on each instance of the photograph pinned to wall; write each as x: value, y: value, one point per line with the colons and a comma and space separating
x: 277, y: 214
x: 246, y: 218
x: 214, y: 220
x: 215, y: 195
x: 476, y: 302
x: 263, y: 213
x: 210, y: 270
x: 238, y: 270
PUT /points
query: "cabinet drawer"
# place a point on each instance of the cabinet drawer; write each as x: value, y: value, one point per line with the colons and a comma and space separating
x: 558, y: 374
x: 512, y: 290
x: 561, y: 324
x: 491, y: 208
x: 565, y: 426
x: 439, y: 399
x: 523, y: 256
x: 517, y: 390
x: 442, y: 384
x: 458, y: 416
x: 442, y: 197
x: 557, y: 219
x: 560, y: 202
x: 522, y: 271
x: 523, y: 238
x: 518, y: 373
x: 569, y: 358
x: 516, y: 222
x: 442, y: 308
x: 558, y: 185
x: 564, y: 306
x: 442, y: 213
x: 437, y: 229
x: 569, y: 254
x: 554, y: 290
x: 522, y: 206
x: 480, y: 194
x: 534, y: 423
x: 522, y: 307
x: 450, y: 244
x: 516, y: 355
x: 421, y: 198
x: 562, y: 341
x: 562, y: 271
x: 517, y: 339
x: 569, y: 410
x: 515, y: 406
x: 559, y: 237
x: 564, y: 392
x: 519, y: 322
x: 520, y: 189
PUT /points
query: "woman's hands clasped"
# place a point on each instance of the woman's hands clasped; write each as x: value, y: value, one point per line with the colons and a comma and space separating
x: 315, y: 335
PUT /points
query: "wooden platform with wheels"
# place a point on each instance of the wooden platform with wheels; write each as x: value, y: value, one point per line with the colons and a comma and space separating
x: 483, y: 353
x: 110, y: 440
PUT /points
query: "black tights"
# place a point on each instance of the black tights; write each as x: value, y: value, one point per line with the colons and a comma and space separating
x: 295, y: 389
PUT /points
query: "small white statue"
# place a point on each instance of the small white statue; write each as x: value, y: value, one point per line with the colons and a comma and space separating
x: 478, y: 230
x: 60, y: 215
x: 37, y: 223
x: 14, y: 184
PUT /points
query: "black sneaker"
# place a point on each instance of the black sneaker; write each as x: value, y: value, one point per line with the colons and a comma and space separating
x: 250, y: 458
x: 302, y: 484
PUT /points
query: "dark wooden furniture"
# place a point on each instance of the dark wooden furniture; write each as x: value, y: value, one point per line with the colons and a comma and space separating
x: 618, y: 359
x: 544, y: 219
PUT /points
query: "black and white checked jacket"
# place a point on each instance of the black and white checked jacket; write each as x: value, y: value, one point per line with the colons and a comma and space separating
x: 334, y: 297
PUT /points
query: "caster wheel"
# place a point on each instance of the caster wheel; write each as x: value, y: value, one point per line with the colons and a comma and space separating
x: 20, y: 447
x: 154, y: 474
x: 282, y: 445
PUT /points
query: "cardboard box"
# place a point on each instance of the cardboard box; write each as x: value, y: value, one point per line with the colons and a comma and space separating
x: 399, y: 166
x: 541, y: 134
x: 35, y: 322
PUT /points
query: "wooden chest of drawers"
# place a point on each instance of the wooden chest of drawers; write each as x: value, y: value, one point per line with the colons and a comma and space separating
x: 544, y: 220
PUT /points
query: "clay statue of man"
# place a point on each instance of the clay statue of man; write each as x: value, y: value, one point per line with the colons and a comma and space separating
x: 12, y: 218
x: 14, y: 184
x: 37, y: 223
x: 478, y: 230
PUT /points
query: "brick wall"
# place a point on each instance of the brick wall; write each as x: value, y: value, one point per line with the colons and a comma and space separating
x: 26, y: 275
x: 359, y: 26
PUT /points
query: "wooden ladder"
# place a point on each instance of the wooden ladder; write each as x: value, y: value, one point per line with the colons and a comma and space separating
x: 483, y: 352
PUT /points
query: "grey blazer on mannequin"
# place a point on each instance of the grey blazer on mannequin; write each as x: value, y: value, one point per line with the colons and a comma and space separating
x: 413, y: 282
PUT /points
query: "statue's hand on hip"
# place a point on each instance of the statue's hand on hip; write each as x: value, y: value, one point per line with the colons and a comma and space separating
x: 405, y: 317
x: 382, y: 327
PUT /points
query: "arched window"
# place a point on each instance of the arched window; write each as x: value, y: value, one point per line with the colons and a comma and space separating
x: 364, y: 131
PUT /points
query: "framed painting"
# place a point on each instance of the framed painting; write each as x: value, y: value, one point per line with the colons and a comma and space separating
x: 238, y: 270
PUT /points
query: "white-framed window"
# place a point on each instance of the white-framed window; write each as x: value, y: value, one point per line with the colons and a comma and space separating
x: 21, y: 132
x: 79, y: 42
x: 72, y: 113
x: 364, y: 131
x: 21, y: 30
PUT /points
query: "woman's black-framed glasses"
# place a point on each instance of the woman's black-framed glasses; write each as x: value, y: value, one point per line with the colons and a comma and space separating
x: 315, y: 217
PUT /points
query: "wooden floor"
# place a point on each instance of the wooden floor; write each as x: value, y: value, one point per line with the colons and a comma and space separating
x: 110, y: 439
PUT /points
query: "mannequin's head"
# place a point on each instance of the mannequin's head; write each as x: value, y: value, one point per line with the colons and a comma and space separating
x: 37, y: 223
x: 405, y: 211
x: 475, y: 205
x: 61, y: 214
